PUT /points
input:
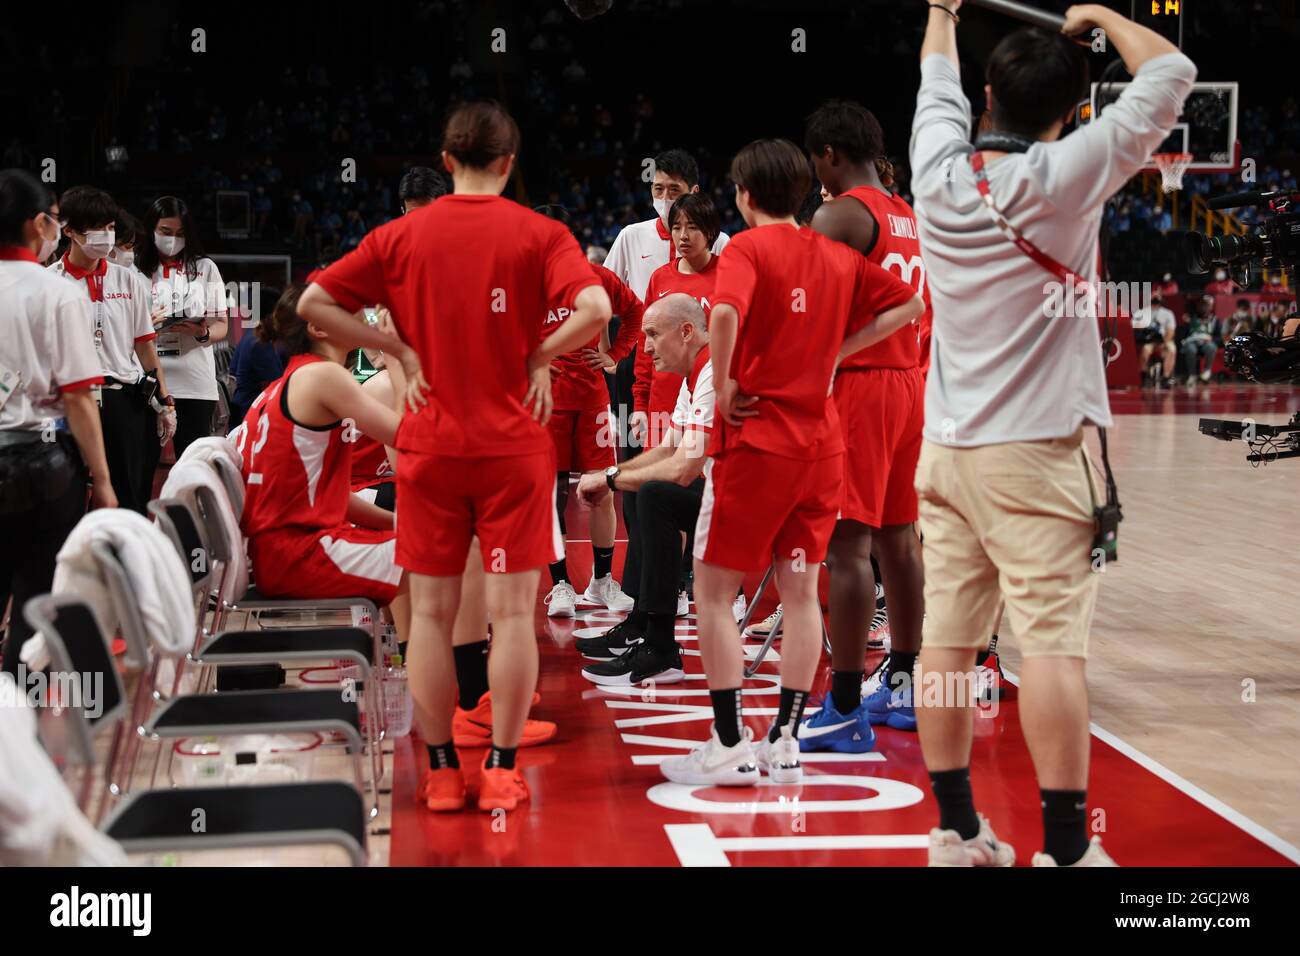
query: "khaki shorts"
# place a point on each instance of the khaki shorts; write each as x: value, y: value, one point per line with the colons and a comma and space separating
x: 1010, y: 522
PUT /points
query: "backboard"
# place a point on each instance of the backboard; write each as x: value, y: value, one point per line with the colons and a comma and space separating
x: 1207, y: 129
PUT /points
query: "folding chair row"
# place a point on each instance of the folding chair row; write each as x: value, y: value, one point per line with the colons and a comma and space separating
x: 238, y: 816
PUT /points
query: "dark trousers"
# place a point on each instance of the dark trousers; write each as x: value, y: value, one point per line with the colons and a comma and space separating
x: 130, y: 432
x: 665, y: 510
x: 193, y: 421
x: 32, y: 539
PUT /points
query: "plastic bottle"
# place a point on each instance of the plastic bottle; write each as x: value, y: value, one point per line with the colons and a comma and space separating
x: 399, y: 707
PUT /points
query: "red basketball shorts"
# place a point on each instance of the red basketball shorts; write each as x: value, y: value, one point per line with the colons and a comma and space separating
x: 341, y: 562
x: 584, y: 440
x: 508, y: 501
x: 881, y: 413
x: 760, y: 507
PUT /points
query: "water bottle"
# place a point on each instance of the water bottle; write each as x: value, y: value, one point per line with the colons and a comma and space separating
x: 399, y: 707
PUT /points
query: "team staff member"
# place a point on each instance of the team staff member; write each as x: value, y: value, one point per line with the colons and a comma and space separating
x: 880, y: 397
x: 1004, y: 480
x: 468, y: 282
x: 669, y: 485
x: 789, y: 305
x: 135, y: 411
x: 583, y: 433
x: 126, y: 228
x: 48, y: 367
x: 638, y: 250
x: 185, y: 283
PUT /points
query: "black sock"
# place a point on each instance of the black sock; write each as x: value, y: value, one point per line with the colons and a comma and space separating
x: 790, y: 710
x: 661, y: 631
x: 442, y: 756
x: 560, y: 571
x: 501, y: 757
x: 602, y: 561
x: 728, y: 718
x: 471, y: 673
x: 956, y: 806
x: 900, y: 662
x: 846, y: 690
x: 1065, y: 824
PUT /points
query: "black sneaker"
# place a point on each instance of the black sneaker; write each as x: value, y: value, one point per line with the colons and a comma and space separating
x: 642, y: 663
x: 612, y: 643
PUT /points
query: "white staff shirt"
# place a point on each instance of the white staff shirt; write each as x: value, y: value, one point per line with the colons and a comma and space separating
x: 119, y: 304
x: 189, y: 366
x: 48, y: 343
x: 1157, y: 317
x: 641, y: 248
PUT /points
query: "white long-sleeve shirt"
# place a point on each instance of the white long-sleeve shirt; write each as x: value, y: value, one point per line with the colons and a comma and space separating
x: 1001, y: 370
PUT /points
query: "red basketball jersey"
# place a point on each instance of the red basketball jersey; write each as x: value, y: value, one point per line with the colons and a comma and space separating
x: 897, y: 250
x: 369, y: 463
x: 296, y: 475
x: 656, y: 391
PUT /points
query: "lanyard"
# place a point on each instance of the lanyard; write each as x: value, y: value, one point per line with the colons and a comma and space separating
x: 1012, y: 233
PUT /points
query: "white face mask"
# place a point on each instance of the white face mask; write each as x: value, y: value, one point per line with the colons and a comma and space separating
x: 168, y: 245
x: 1221, y: 275
x: 98, y: 245
x: 661, y: 207
x: 123, y: 257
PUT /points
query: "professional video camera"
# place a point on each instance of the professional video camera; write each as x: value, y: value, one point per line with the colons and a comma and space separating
x: 1260, y: 358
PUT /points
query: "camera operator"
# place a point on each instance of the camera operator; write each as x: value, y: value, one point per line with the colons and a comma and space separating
x: 1004, y: 479
x: 47, y: 368
x: 135, y: 411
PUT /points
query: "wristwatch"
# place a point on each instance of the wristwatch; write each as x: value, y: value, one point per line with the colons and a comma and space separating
x: 611, y: 473
x: 167, y: 400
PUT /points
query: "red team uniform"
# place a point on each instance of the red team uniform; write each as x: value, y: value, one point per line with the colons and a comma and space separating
x: 775, y: 483
x: 880, y: 391
x: 468, y: 280
x: 370, y: 465
x: 581, y: 427
x: 655, y: 392
x: 295, y: 512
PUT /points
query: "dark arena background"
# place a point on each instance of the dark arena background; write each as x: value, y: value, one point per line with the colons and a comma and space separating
x: 288, y: 128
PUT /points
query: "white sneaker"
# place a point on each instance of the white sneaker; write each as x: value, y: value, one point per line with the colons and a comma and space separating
x: 739, y: 607
x: 878, y: 636
x: 947, y: 848
x: 780, y: 760
x: 711, y: 764
x: 1206, y: 375
x: 764, y: 627
x: 559, y: 603
x: 683, y: 604
x: 608, y: 592
x: 1095, y: 856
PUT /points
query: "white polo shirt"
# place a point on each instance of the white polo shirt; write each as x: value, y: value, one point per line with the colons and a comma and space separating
x: 48, y: 344
x: 696, y: 399
x: 641, y: 248
x: 119, y: 302
x: 188, y: 365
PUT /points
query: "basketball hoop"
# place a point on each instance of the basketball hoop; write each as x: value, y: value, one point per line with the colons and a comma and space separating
x: 1172, y: 166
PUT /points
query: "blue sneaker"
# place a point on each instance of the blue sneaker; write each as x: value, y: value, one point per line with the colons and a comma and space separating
x: 828, y: 729
x: 891, y: 706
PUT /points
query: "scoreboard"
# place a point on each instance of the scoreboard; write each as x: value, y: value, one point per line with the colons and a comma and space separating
x: 1163, y: 16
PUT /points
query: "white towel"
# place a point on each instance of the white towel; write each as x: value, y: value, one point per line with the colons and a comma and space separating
x: 196, y: 470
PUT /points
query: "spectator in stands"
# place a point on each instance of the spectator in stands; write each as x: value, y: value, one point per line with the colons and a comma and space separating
x: 1240, y: 322
x: 419, y: 187
x: 302, y: 216
x: 1167, y: 285
x: 1222, y: 284
x: 257, y: 362
x: 1199, y: 342
x: 1272, y: 319
x: 1153, y: 328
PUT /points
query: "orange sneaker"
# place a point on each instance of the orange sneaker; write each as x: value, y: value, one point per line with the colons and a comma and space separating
x: 443, y: 791
x: 473, y: 728
x: 501, y: 789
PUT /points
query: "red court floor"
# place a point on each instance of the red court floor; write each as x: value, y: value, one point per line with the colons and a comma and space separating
x: 599, y: 799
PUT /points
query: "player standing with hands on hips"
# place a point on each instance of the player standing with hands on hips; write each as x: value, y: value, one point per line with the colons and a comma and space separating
x: 468, y: 281
x: 1008, y: 509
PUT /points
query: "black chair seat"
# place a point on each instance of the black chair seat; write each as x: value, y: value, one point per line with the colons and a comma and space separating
x: 325, y: 641
x: 284, y: 814
x: 250, y: 708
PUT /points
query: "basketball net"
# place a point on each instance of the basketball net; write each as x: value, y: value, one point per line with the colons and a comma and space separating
x: 1172, y: 166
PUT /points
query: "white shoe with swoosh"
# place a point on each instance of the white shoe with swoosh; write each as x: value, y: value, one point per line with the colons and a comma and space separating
x: 712, y: 764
